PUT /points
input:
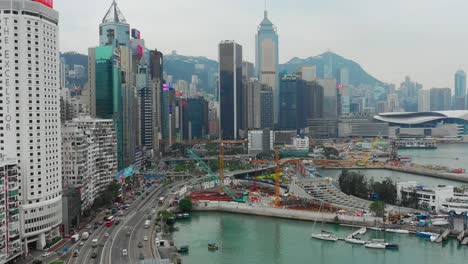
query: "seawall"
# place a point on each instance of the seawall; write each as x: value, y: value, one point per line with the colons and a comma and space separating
x: 233, y: 207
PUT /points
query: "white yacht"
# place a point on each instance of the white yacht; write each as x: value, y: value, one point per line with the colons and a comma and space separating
x: 325, y: 236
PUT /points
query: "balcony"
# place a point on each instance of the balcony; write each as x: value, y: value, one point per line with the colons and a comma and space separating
x: 14, y: 212
x: 13, y: 193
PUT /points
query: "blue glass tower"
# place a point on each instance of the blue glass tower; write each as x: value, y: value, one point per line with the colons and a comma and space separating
x: 266, y: 59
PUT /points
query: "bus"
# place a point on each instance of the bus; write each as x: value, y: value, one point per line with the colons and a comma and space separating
x: 147, y: 223
x: 161, y: 200
x: 110, y: 221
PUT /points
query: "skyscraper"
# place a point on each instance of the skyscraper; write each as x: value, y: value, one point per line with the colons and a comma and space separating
x: 230, y: 89
x: 460, y: 83
x: 266, y: 58
x: 424, y: 101
x: 30, y: 110
x: 114, y: 29
x: 441, y: 99
x: 248, y: 70
x: 460, y: 91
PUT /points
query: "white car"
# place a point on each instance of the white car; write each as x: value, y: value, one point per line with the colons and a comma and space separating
x: 81, y: 243
x: 145, y: 238
x: 106, y: 234
x: 124, y: 252
x: 46, y: 254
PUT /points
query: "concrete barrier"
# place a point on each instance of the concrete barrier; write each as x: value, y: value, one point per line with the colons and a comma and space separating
x: 239, y: 208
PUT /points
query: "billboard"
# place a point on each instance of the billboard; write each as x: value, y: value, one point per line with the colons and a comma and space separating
x: 136, y: 34
x: 48, y: 3
x: 165, y: 87
x: 140, y: 51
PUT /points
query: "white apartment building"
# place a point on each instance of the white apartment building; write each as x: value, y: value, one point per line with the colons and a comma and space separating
x: 10, y: 241
x: 260, y: 141
x: 433, y: 197
x: 30, y: 114
x: 89, y: 156
x: 301, y: 143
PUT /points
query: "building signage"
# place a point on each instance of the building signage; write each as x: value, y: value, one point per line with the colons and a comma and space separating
x: 140, y: 51
x: 136, y: 34
x: 48, y: 3
x: 7, y: 69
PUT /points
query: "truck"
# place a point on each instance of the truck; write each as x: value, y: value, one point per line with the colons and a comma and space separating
x: 94, y: 243
x: 75, y: 238
x: 85, y: 235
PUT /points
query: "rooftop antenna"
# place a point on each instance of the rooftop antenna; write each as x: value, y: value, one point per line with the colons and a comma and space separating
x: 266, y: 14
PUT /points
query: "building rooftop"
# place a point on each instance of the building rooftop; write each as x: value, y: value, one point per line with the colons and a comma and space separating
x: 114, y: 15
x: 421, y: 117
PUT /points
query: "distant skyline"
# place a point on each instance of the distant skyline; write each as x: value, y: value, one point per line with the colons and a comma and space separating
x: 425, y: 39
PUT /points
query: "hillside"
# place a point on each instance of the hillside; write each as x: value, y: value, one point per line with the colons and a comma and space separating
x: 357, y: 75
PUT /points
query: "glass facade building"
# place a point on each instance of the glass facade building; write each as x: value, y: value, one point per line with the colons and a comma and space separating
x: 195, y: 118
x: 230, y: 89
x: 108, y: 91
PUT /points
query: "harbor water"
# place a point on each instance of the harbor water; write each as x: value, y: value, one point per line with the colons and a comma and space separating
x: 263, y: 240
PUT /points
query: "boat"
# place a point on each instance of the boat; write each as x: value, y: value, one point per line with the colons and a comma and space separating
x: 440, y: 222
x: 325, y: 236
x: 398, y: 231
x: 376, y: 243
x: 212, y: 246
x: 376, y: 228
x: 183, y: 249
x: 355, y: 240
x: 434, y: 238
x: 426, y: 234
x: 380, y: 244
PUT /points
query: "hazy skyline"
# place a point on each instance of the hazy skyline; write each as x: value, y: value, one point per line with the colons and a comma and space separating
x: 426, y: 40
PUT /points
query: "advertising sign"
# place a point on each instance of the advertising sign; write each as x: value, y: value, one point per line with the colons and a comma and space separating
x: 136, y: 34
x: 48, y: 3
x: 140, y: 51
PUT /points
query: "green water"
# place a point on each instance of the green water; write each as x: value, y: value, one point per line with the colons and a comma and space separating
x: 256, y: 240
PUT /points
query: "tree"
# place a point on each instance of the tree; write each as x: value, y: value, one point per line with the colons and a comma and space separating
x: 378, y: 208
x: 386, y: 190
x: 353, y: 183
x: 330, y: 152
x: 185, y: 205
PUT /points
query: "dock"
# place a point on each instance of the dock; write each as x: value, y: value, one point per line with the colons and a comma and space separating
x: 461, y: 236
x: 443, y: 236
x: 465, y: 241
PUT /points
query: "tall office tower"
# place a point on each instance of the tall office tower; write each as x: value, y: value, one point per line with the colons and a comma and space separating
x: 424, y: 101
x: 30, y: 110
x: 441, y: 99
x: 460, y: 83
x: 460, y: 91
x: 330, y: 93
x: 299, y: 101
x: 156, y: 72
x: 89, y: 157
x: 252, y: 103
x: 393, y: 103
x: 344, y: 76
x: 195, y: 118
x: 114, y: 29
x: 106, y: 90
x: 248, y: 70
x: 408, y: 94
x: 267, y: 57
x: 9, y: 206
x: 308, y: 73
x: 230, y: 89
x: 266, y: 108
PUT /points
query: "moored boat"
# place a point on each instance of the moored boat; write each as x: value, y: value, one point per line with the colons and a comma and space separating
x: 325, y: 236
x: 426, y: 234
x: 355, y: 240
x: 398, y: 231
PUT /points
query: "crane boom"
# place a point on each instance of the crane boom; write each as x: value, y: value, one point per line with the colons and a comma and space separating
x: 213, y: 176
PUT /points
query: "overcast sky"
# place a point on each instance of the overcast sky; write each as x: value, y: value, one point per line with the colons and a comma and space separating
x: 425, y: 39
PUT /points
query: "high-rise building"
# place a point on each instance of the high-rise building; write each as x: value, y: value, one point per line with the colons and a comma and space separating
x: 299, y: 101
x: 330, y: 101
x: 441, y: 99
x: 114, y: 29
x: 266, y: 108
x: 459, y: 102
x: 408, y: 94
x: 260, y: 141
x: 344, y: 76
x: 230, y: 89
x: 30, y: 110
x: 460, y: 83
x: 195, y: 118
x: 393, y: 103
x: 89, y: 157
x: 308, y: 73
x: 267, y: 58
x: 9, y: 208
x: 106, y: 90
x: 252, y: 103
x: 424, y: 101
x: 248, y: 70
